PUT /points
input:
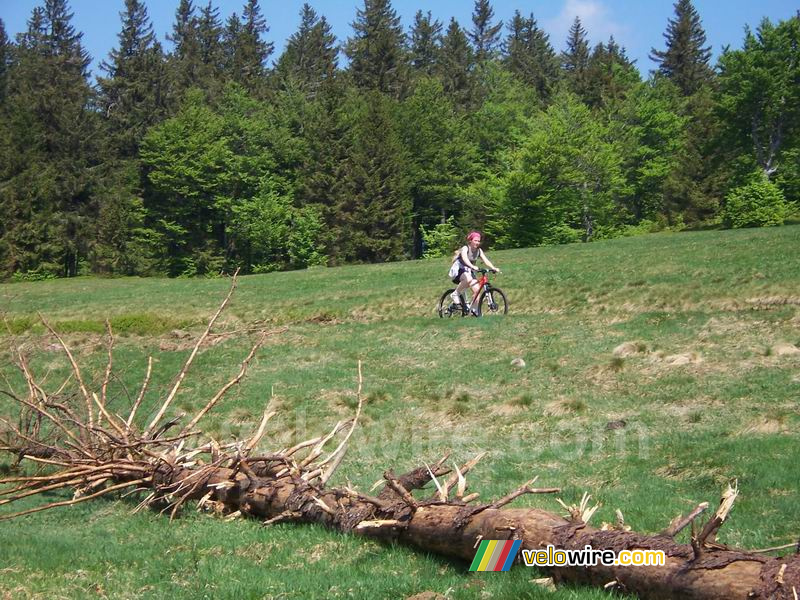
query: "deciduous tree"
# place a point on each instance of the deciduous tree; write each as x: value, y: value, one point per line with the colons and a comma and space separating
x: 759, y: 100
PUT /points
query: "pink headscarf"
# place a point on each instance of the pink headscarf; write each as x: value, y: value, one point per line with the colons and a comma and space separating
x: 473, y: 235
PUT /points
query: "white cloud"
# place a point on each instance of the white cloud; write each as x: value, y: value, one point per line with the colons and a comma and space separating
x: 595, y: 18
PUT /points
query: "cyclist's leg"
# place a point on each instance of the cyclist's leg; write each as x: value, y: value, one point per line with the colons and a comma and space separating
x: 463, y: 284
x: 468, y: 281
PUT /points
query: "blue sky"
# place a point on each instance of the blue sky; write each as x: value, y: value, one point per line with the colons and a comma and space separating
x: 637, y: 25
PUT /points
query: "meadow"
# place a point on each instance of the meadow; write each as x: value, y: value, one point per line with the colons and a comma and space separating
x: 657, y: 369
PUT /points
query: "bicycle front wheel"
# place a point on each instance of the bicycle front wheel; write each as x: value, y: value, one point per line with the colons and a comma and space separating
x: 446, y: 307
x: 492, y: 302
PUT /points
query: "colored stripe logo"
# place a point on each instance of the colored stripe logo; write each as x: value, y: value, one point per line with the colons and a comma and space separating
x: 495, y: 555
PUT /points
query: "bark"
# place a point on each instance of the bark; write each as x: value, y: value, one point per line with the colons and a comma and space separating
x: 454, y: 528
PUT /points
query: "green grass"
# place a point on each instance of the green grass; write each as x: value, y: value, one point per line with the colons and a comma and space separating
x: 704, y: 395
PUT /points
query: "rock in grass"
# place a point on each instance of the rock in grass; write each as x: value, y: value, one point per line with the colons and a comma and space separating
x: 518, y: 362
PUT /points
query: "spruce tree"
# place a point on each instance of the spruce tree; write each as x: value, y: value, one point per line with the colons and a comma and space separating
x: 374, y: 210
x: 45, y: 194
x: 575, y: 59
x: 485, y: 35
x: 209, y: 40
x: 310, y: 57
x: 184, y: 60
x: 184, y: 33
x: 456, y: 65
x: 426, y: 42
x: 610, y: 74
x: 246, y: 50
x: 377, y: 49
x: 529, y: 55
x: 685, y: 59
x: 132, y: 97
x: 5, y: 58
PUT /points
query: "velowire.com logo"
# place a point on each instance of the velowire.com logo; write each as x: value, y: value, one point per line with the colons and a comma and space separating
x: 495, y: 555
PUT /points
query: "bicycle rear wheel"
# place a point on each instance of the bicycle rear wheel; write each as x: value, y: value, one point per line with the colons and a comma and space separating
x: 492, y: 303
x: 446, y: 307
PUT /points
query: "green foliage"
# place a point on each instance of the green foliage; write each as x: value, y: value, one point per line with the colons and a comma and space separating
x: 123, y: 244
x: 759, y: 100
x: 304, y: 243
x: 425, y: 43
x: 610, y: 75
x: 568, y: 173
x: 246, y: 51
x: 651, y: 133
x: 440, y: 239
x: 371, y: 214
x: 48, y: 143
x: 530, y: 56
x: 760, y: 203
x: 377, y: 49
x: 456, y: 64
x: 441, y: 157
x: 169, y: 166
x: 685, y: 59
x: 311, y: 53
x: 35, y: 275
x: 131, y: 97
x: 575, y: 60
x: 485, y: 35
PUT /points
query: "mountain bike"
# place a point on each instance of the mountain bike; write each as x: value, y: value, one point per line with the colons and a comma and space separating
x: 491, y: 301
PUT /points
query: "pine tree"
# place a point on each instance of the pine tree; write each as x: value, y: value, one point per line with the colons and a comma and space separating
x: 456, y: 65
x: 246, y: 50
x: 485, y: 35
x: 575, y: 59
x: 376, y: 50
x: 685, y: 60
x: 310, y: 57
x: 426, y: 42
x: 529, y: 55
x: 45, y: 195
x: 132, y: 97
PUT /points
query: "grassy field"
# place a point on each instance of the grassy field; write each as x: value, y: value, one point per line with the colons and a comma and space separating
x: 691, y: 339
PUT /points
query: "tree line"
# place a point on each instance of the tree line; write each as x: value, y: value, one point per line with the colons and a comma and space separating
x: 387, y: 145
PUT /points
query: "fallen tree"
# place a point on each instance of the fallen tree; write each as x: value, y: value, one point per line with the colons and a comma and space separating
x: 79, y: 443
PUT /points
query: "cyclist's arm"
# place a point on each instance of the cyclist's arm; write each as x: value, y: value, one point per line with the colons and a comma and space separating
x: 465, y: 259
x: 486, y: 260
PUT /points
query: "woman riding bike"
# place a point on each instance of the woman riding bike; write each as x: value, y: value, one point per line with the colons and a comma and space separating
x: 463, y: 269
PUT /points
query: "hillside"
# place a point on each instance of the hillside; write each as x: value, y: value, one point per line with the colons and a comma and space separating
x: 657, y: 369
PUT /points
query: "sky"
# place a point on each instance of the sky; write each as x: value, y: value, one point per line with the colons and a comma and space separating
x: 638, y: 25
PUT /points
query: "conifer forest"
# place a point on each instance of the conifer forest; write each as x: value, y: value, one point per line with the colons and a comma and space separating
x: 214, y: 152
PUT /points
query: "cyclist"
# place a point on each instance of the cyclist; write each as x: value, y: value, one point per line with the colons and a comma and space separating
x: 462, y: 270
